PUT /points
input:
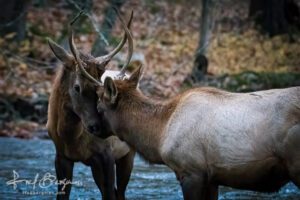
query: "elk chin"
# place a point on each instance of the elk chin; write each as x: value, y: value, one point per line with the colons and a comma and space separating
x: 92, y: 128
x: 92, y: 124
x: 104, y: 134
x: 101, y: 129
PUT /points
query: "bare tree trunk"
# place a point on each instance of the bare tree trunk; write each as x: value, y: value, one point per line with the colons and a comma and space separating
x: 13, y: 18
x: 106, y: 27
x: 201, y: 63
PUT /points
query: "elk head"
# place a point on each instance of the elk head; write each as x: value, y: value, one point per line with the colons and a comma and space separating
x: 81, y: 74
x: 114, y: 92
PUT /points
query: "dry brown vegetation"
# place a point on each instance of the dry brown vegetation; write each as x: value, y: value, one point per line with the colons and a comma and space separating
x: 165, y: 36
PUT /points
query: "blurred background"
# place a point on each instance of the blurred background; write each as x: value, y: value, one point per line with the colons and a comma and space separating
x: 236, y: 45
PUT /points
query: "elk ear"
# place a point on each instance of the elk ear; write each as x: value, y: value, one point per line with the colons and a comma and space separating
x: 136, y: 76
x: 110, y: 91
x: 59, y: 52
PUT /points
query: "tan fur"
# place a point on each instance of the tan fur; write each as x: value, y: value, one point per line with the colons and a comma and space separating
x: 247, y: 141
x: 133, y: 111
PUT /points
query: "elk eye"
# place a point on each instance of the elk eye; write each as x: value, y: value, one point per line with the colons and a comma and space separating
x: 77, y: 88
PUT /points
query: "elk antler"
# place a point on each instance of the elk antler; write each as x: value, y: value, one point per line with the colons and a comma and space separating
x: 102, y: 61
x: 76, y: 53
x: 130, y: 44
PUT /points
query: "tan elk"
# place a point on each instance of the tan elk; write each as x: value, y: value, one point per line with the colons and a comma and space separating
x: 210, y: 137
x: 72, y: 109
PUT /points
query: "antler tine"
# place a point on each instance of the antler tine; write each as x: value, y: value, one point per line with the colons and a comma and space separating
x: 130, y: 44
x: 123, y: 41
x: 71, y: 40
x: 76, y: 53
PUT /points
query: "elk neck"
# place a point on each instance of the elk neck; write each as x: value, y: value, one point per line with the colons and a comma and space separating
x: 141, y: 122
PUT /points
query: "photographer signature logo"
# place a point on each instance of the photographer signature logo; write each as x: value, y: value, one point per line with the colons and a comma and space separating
x: 45, y: 181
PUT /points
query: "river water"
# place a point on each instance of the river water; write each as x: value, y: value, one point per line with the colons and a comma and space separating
x: 29, y: 158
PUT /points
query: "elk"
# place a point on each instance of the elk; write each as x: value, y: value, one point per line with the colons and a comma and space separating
x: 72, y: 109
x: 210, y: 137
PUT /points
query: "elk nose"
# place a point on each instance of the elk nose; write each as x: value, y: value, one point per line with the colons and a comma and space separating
x: 93, y: 128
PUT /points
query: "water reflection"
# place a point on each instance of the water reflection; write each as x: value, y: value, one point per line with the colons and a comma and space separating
x: 29, y: 157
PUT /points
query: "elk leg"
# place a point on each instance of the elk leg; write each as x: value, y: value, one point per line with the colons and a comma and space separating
x: 212, y: 192
x: 192, y: 187
x: 102, y: 166
x: 294, y: 170
x: 296, y: 180
x: 292, y: 149
x: 64, y: 171
x: 123, y: 168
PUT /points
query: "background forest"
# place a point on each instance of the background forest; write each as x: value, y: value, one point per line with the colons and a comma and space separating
x: 236, y: 45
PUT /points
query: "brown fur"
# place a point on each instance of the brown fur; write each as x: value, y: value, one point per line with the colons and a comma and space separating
x: 72, y: 141
x: 65, y: 128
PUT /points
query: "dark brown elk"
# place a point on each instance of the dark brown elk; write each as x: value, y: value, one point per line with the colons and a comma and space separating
x: 210, y: 137
x: 72, y: 109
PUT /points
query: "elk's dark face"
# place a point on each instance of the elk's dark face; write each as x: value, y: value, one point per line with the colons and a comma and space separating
x: 81, y: 97
x: 82, y: 74
x: 84, y: 101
